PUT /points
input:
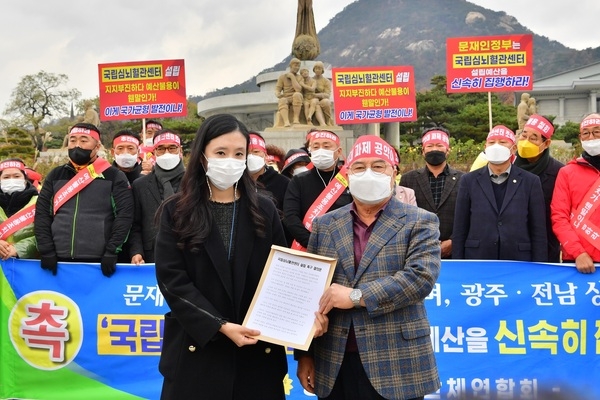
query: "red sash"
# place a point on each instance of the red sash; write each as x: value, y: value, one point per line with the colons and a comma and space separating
x: 580, y: 220
x: 323, y: 203
x: 18, y: 221
x: 83, y: 178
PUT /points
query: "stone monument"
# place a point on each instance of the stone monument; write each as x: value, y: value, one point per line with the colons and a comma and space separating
x: 323, y: 94
x: 265, y: 111
x: 523, y: 111
x: 289, y: 92
x: 532, y: 106
x: 306, y: 43
x: 90, y: 115
x: 304, y: 100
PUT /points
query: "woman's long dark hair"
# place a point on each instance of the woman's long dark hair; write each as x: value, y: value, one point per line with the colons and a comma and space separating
x: 192, y: 220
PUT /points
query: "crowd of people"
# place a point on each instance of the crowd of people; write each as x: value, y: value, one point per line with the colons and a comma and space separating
x: 209, y: 227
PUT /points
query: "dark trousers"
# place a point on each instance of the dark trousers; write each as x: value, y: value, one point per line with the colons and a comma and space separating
x: 352, y: 382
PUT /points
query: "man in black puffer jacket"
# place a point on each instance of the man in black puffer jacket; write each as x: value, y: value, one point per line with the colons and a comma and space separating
x: 88, y: 224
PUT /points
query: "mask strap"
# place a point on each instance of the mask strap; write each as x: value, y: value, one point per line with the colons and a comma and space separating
x: 235, y: 187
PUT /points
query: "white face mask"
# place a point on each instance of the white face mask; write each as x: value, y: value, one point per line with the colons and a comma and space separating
x: 168, y: 161
x: 299, y: 170
x: 369, y: 187
x: 9, y: 186
x: 255, y: 163
x: 592, y: 147
x: 322, y: 158
x: 126, y: 160
x: 497, y: 154
x: 225, y: 172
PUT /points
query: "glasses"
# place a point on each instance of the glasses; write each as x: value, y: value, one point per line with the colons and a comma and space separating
x: 378, y: 167
x: 160, y: 150
x: 594, y: 132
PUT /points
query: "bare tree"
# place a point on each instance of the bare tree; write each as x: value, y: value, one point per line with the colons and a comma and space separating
x: 37, y: 97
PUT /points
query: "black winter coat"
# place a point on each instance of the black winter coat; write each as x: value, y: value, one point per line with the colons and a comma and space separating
x: 197, y: 361
x: 93, y: 222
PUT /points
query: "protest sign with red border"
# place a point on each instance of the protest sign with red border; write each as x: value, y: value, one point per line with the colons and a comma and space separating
x: 364, y: 95
x: 489, y: 63
x: 142, y: 89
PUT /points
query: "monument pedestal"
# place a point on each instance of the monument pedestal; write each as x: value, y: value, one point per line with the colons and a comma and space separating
x: 294, y: 137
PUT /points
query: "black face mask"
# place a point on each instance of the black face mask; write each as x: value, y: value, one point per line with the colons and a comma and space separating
x: 80, y: 156
x: 435, y: 157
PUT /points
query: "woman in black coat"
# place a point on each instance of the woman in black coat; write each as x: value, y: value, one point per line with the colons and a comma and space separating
x: 214, y: 239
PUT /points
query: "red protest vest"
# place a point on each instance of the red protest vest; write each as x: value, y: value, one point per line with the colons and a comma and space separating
x: 324, y: 202
x: 84, y: 177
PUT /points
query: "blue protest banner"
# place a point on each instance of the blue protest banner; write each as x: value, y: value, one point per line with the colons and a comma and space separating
x: 500, y: 330
x: 514, y: 330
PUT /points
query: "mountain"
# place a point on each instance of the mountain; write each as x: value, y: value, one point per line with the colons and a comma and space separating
x: 414, y: 32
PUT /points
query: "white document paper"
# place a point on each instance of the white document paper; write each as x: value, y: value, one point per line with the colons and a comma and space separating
x: 284, y: 305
